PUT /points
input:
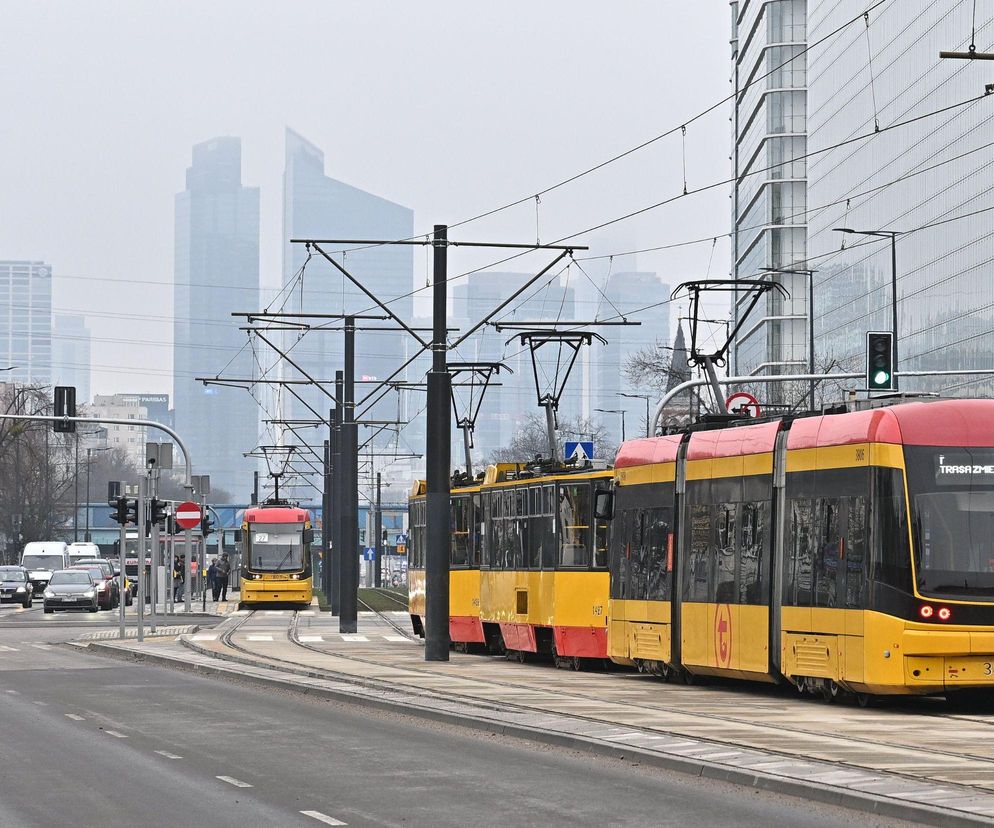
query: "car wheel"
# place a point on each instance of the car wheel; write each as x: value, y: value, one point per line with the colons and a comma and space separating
x: 49, y: 610
x: 94, y: 608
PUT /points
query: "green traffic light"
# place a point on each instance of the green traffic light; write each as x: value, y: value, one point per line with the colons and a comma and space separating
x: 881, y: 378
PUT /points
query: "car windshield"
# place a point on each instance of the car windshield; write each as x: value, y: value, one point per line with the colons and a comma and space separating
x: 42, y: 561
x: 12, y: 575
x: 66, y: 578
x: 276, y: 546
x: 952, y: 499
x: 94, y: 572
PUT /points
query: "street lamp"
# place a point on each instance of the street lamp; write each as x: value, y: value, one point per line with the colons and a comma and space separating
x: 640, y: 397
x: 89, y: 451
x: 620, y: 411
x: 883, y: 234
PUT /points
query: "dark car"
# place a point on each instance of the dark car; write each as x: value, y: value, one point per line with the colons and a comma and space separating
x: 71, y: 589
x: 15, y: 586
x: 103, y: 577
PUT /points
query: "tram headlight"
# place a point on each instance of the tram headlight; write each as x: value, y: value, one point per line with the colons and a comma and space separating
x: 944, y: 613
x: 926, y: 611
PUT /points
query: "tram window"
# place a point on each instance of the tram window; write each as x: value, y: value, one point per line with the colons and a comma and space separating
x: 797, y: 583
x: 724, y: 558
x: 476, y: 530
x: 617, y: 561
x: 575, y: 514
x: 752, y: 543
x: 826, y: 553
x: 601, y: 539
x: 855, y: 552
x: 459, y: 516
x: 637, y: 556
x: 698, y: 571
x: 659, y: 538
x: 891, y: 562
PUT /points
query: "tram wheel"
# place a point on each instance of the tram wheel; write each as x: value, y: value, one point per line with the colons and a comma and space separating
x: 864, y: 699
x: 829, y: 691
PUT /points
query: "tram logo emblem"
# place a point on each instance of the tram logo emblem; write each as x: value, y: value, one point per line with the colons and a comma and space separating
x: 723, y: 635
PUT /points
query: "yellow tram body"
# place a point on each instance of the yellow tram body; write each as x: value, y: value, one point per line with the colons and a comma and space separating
x: 276, y: 553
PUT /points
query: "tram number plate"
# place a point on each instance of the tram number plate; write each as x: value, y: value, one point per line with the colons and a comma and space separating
x: 969, y: 669
x: 276, y: 577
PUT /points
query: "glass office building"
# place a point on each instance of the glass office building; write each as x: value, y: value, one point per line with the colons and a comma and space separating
x: 926, y: 180
x: 769, y: 125
x: 26, y: 322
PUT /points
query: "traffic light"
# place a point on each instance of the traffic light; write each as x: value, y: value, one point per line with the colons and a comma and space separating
x: 120, y: 513
x: 64, y: 398
x: 205, y: 524
x: 157, y: 511
x: 132, y: 511
x: 880, y: 361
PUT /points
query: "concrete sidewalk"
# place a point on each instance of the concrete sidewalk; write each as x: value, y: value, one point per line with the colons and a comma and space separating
x: 924, y: 765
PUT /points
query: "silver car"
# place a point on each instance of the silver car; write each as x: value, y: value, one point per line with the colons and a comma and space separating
x: 71, y: 589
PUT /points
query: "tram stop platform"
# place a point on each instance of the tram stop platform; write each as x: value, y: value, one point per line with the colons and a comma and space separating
x: 914, y: 759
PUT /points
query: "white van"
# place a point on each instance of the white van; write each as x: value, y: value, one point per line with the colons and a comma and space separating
x: 41, y: 559
x: 82, y: 551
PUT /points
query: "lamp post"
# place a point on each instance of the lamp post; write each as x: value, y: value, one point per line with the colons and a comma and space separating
x: 883, y: 234
x: 89, y: 452
x: 640, y: 397
x: 620, y: 411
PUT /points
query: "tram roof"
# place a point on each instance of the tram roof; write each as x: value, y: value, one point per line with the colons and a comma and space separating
x: 276, y: 514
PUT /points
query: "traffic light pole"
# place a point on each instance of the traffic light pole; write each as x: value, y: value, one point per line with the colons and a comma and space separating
x: 142, y: 544
x: 122, y: 578
x: 437, y: 466
x: 154, y: 582
x: 378, y: 530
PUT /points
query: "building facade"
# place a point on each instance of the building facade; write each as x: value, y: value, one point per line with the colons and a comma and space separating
x: 71, y: 354
x: 928, y: 181
x: 129, y: 439
x: 769, y: 204
x: 216, y: 273
x: 26, y: 322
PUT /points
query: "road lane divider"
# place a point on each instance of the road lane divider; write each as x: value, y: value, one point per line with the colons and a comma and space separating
x: 236, y: 782
x: 327, y: 820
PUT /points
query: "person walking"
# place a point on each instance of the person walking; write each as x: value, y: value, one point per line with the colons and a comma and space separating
x: 212, y: 579
x: 180, y: 578
x: 177, y: 577
x: 222, y: 571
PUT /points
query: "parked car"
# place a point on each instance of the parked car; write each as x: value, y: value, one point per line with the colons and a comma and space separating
x: 15, y: 586
x: 71, y: 589
x: 103, y: 578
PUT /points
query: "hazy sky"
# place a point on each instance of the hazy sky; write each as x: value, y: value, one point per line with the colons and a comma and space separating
x: 448, y: 107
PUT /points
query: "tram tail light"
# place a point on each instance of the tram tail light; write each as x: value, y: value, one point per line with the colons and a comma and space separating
x: 926, y: 611
x: 944, y: 613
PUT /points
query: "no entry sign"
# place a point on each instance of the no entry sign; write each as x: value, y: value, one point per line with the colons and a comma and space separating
x: 187, y: 515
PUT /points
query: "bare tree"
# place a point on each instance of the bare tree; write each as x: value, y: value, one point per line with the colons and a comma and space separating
x: 532, y: 439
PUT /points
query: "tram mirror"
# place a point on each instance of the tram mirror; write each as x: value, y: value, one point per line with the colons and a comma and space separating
x: 604, y: 504
x: 307, y: 536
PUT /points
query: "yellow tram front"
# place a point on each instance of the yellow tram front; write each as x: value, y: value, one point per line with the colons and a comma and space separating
x: 276, y: 556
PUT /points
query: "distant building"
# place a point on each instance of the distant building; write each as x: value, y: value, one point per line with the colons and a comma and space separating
x: 157, y: 406
x: 71, y: 349
x: 318, y: 206
x: 26, y: 322
x: 769, y: 204
x: 216, y: 272
x: 127, y: 438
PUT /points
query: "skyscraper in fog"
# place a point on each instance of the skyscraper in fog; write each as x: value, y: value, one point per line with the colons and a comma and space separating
x: 26, y: 321
x: 71, y: 354
x: 216, y: 272
x: 318, y: 206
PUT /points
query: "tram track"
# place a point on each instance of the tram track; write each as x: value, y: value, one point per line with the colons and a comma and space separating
x: 635, y: 707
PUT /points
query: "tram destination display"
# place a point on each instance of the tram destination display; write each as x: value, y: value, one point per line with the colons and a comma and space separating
x: 964, y: 468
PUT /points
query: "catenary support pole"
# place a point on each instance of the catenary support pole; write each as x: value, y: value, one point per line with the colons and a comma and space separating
x: 437, y: 467
x: 337, y: 501
x: 378, y: 530
x: 348, y: 618
x: 893, y: 302
x: 325, y: 528
x: 154, y: 582
x: 140, y: 554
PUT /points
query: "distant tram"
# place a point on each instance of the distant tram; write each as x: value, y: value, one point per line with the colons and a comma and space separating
x: 276, y: 556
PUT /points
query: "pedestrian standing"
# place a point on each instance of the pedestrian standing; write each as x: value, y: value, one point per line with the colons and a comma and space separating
x: 212, y: 579
x: 180, y: 579
x: 177, y: 577
x: 222, y: 572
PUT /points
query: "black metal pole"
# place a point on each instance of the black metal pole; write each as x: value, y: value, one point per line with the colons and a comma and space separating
x: 437, y: 467
x: 325, y: 531
x: 378, y: 529
x: 811, y: 333
x: 86, y: 532
x: 336, y: 499
x: 75, y: 485
x: 255, y: 488
x: 893, y: 300
x: 348, y: 619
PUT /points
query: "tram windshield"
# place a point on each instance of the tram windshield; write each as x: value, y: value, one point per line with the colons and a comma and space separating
x: 952, y: 502
x: 276, y: 547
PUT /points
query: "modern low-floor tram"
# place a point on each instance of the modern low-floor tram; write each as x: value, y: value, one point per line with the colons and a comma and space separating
x: 276, y: 556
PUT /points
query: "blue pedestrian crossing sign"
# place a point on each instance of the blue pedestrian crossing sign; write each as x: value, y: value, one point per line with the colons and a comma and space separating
x: 579, y: 450
x: 369, y: 554
x: 400, y: 540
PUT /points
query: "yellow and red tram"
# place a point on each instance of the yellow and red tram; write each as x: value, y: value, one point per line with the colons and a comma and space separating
x: 845, y: 551
x: 276, y: 555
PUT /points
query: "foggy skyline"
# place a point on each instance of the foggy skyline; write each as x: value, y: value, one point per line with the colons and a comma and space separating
x: 447, y: 108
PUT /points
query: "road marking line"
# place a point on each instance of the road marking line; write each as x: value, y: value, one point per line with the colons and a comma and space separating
x: 168, y: 755
x: 403, y: 638
x: 204, y: 638
x: 306, y: 612
x: 41, y: 646
x: 232, y: 781
x: 74, y: 717
x: 242, y: 612
x: 13, y: 692
x: 311, y: 638
x: 354, y: 637
x: 7, y: 649
x: 275, y: 612
x: 40, y: 703
x: 115, y: 734
x: 259, y: 638
x: 327, y: 820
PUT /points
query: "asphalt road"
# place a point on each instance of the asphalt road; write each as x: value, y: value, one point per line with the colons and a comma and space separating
x: 89, y: 741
